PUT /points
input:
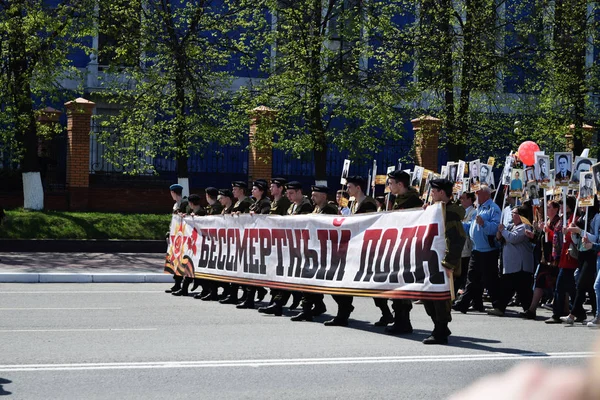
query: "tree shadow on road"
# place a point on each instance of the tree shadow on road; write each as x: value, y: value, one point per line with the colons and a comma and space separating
x: 2, y: 383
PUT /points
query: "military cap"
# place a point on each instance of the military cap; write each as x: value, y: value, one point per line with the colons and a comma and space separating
x: 212, y: 192
x: 295, y: 185
x: 358, y: 181
x: 399, y: 175
x: 442, y: 184
x: 194, y: 198
x: 177, y: 188
x: 261, y: 184
x: 226, y: 193
x: 240, y: 184
x: 320, y: 189
x: 279, y: 181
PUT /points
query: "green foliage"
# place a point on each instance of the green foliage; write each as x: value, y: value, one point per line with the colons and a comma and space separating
x: 21, y: 224
x: 35, y: 40
x: 169, y: 78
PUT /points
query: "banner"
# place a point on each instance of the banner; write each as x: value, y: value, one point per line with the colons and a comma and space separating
x: 393, y: 254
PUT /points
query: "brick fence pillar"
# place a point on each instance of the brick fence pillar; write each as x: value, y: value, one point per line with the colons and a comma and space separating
x: 260, y: 154
x: 79, y: 119
x: 426, y: 141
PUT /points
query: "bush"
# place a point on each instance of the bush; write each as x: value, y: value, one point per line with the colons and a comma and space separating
x: 21, y: 224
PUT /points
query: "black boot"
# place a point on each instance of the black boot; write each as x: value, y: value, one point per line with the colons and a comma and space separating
x: 401, y: 325
x: 439, y: 335
x: 341, y: 319
x: 261, y: 292
x: 184, y: 287
x: 386, y: 318
x: 296, y: 299
x: 197, y: 283
x: 248, y: 303
x: 177, y: 285
x: 319, y: 309
x: 273, y: 309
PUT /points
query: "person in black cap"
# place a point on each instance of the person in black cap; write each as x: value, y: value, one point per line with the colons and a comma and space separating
x: 439, y: 310
x: 406, y: 197
x: 280, y: 203
x: 299, y: 205
x: 243, y: 202
x: 312, y: 303
x: 180, y: 206
x: 195, y: 206
x: 225, y: 198
x: 361, y: 204
x: 213, y: 207
x: 261, y: 205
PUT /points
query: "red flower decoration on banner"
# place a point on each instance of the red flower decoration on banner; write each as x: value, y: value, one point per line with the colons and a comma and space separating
x: 191, y: 241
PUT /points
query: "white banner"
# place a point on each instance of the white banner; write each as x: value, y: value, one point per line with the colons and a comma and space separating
x: 393, y: 254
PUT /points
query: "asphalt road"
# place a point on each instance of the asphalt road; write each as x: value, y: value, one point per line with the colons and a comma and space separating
x: 133, y: 341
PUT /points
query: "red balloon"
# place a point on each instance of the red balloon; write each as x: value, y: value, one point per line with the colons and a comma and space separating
x: 527, y: 152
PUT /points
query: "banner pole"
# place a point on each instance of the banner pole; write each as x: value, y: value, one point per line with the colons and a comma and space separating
x: 564, y: 196
x: 586, y: 220
x: 545, y: 215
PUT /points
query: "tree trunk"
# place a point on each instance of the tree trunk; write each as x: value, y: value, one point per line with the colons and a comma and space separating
x: 26, y: 129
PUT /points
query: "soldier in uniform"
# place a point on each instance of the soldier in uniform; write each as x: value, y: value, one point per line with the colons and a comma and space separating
x: 196, y: 209
x: 214, y: 207
x: 261, y: 205
x: 280, y: 203
x: 312, y: 303
x: 439, y: 310
x: 406, y: 197
x: 299, y: 205
x: 225, y: 198
x: 361, y: 204
x: 180, y: 206
x: 241, y: 206
x: 243, y: 202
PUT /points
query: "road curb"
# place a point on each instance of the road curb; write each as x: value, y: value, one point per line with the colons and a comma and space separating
x: 67, y: 277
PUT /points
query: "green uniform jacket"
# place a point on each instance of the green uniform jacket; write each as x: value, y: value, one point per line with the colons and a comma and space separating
x: 304, y: 208
x: 281, y: 206
x: 201, y: 211
x: 215, y: 209
x: 366, y: 206
x: 263, y: 206
x: 328, y: 209
x: 182, y: 206
x: 228, y: 210
x: 243, y: 206
x: 455, y: 235
x: 407, y: 200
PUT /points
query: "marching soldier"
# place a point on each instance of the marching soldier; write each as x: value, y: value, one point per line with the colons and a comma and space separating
x: 241, y: 206
x: 243, y: 202
x: 312, y: 303
x: 406, y: 197
x: 213, y: 207
x: 439, y: 310
x: 180, y: 206
x: 226, y: 200
x: 194, y: 208
x: 280, y: 203
x: 299, y: 205
x: 261, y: 205
x: 361, y: 204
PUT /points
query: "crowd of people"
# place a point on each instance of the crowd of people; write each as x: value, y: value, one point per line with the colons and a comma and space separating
x: 509, y: 257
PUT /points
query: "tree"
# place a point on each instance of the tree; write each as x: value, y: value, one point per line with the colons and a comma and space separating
x: 35, y: 40
x: 170, y: 77
x: 330, y: 77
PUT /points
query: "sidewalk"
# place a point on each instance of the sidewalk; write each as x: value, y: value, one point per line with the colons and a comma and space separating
x: 82, y: 268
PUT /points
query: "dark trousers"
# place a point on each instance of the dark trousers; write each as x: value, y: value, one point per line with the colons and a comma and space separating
x: 483, y: 273
x: 344, y: 306
x: 282, y: 297
x: 585, y: 282
x: 520, y: 282
x: 382, y: 304
x: 309, y: 300
x: 461, y: 278
x: 439, y: 311
x: 565, y: 283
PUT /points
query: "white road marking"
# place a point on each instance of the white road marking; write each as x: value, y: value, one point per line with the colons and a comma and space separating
x: 57, y: 308
x: 290, y: 362
x: 77, y: 330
